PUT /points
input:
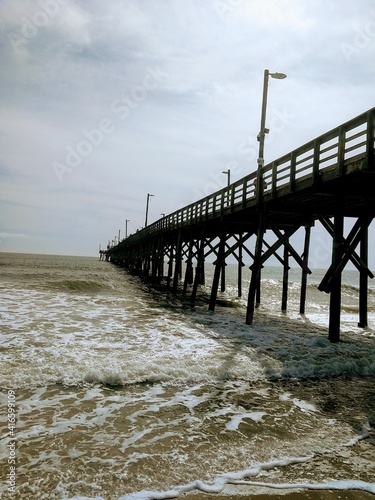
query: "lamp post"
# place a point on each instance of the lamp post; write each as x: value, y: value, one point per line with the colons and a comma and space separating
x: 227, y: 172
x: 263, y: 129
x: 147, y: 204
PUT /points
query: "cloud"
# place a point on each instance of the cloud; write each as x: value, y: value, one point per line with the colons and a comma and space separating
x: 86, y: 62
x: 12, y: 235
x: 277, y: 14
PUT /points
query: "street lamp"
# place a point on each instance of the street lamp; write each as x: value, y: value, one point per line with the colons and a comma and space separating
x: 227, y: 172
x: 263, y: 129
x: 147, y: 203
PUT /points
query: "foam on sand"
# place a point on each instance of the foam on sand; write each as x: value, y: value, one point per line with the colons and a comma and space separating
x: 239, y: 478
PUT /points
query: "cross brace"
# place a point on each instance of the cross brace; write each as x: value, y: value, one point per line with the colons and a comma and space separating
x: 283, y: 240
x: 354, y: 257
x: 346, y: 248
x: 280, y: 259
x: 239, y: 242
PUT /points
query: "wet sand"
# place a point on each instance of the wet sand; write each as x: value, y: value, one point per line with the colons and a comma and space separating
x: 296, y: 495
x: 349, y: 401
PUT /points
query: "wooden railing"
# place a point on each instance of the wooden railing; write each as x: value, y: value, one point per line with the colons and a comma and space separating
x: 334, y: 150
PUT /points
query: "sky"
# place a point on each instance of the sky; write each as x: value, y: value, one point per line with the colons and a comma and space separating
x: 106, y: 101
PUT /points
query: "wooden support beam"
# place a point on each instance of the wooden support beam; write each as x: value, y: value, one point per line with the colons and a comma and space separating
x: 161, y: 258
x: 189, y: 267
x: 198, y: 271
x: 255, y: 273
x: 178, y: 262
x: 223, y: 266
x: 170, y: 266
x: 154, y: 260
x: 363, y: 281
x: 218, y: 270
x: 157, y: 260
x: 258, y: 289
x: 147, y: 258
x: 284, y: 299
x: 189, y: 272
x: 306, y: 250
x: 240, y: 266
x: 335, y: 298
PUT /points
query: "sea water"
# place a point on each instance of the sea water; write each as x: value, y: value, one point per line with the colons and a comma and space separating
x: 113, y: 390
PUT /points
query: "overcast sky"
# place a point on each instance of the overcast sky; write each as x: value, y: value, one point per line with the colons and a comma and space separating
x: 104, y: 101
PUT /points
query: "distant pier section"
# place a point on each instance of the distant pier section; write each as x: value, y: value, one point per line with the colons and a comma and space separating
x: 329, y: 179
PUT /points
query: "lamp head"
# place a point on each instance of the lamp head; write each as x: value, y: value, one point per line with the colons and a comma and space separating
x: 278, y: 76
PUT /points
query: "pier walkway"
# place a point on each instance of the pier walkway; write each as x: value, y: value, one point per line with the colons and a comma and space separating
x: 329, y: 179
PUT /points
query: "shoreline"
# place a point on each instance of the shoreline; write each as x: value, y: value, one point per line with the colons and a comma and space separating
x: 284, y: 495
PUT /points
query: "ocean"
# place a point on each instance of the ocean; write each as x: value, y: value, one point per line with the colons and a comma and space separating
x: 113, y: 390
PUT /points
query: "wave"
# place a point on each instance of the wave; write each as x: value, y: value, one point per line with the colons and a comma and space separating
x: 349, y: 308
x: 78, y: 286
x: 299, y: 368
x: 345, y: 288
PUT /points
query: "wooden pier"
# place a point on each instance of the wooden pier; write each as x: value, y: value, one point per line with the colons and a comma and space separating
x: 329, y: 179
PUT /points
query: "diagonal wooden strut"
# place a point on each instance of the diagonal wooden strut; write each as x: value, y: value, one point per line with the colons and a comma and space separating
x: 346, y: 250
x: 239, y: 242
x: 283, y: 240
x: 354, y: 257
x: 280, y: 259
